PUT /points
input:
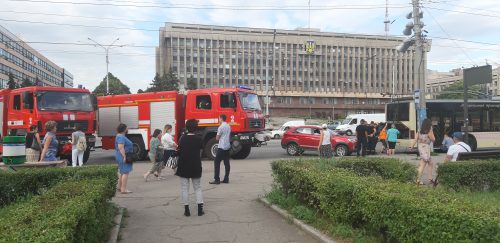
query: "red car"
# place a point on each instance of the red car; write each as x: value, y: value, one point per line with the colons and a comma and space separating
x: 298, y: 139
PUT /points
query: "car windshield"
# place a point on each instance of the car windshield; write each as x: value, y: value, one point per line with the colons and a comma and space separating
x: 347, y: 121
x: 249, y: 101
x: 64, y: 101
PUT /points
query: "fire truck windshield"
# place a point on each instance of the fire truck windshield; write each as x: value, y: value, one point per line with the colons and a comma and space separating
x: 249, y: 101
x: 63, y: 101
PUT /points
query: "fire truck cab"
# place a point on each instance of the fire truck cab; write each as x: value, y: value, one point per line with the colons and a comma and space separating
x: 24, y: 107
x: 143, y: 113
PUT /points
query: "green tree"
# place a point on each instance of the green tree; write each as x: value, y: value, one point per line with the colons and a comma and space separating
x: 140, y: 91
x: 115, y: 86
x: 456, y: 91
x: 12, y: 82
x: 191, y: 83
x: 38, y: 82
x: 166, y: 82
x: 26, y: 83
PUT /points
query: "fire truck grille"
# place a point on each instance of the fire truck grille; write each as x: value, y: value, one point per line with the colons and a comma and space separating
x: 255, y: 123
x: 69, y: 125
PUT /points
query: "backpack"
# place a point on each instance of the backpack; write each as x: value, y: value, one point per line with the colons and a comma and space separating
x: 81, y: 145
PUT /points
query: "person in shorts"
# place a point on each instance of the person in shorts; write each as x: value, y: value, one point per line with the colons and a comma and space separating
x: 392, y: 139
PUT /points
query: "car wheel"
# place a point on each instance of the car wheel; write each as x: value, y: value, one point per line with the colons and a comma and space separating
x: 348, y: 133
x: 276, y: 136
x: 293, y: 149
x: 341, y: 150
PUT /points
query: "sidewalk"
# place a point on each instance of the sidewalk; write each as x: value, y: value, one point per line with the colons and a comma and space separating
x: 232, y: 212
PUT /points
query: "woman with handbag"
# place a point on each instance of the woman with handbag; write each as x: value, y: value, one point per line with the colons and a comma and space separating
x: 425, y: 137
x: 123, y: 149
x: 33, y: 145
x: 50, y: 142
x: 168, y: 144
x: 155, y: 155
x: 189, y: 166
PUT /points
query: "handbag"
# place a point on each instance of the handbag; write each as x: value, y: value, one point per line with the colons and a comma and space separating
x: 172, y: 162
x: 130, y: 157
x: 34, y: 144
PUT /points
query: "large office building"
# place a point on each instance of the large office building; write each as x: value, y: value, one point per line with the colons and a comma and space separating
x: 310, y: 72
x: 24, y: 62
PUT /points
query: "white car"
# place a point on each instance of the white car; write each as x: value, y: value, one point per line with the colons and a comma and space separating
x: 278, y: 134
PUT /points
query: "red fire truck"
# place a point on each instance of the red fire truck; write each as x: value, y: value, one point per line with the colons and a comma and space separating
x: 143, y: 113
x: 21, y: 108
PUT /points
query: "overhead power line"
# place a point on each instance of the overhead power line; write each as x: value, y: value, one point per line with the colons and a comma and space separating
x: 215, y: 7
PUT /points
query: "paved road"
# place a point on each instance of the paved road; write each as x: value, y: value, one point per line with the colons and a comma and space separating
x: 271, y: 151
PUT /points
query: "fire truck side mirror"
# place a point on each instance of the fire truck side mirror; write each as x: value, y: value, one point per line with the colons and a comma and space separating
x: 28, y: 100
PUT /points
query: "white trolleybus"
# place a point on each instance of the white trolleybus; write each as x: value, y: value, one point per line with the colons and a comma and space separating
x: 447, y: 117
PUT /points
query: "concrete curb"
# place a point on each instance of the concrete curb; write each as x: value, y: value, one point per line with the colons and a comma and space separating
x: 113, y: 237
x: 303, y: 226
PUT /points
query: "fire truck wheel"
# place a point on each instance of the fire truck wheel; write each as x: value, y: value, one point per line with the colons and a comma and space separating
x: 210, y: 149
x: 139, y: 148
x: 243, y: 153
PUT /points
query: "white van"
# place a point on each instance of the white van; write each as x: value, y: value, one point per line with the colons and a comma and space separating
x: 277, y: 134
x: 350, y: 123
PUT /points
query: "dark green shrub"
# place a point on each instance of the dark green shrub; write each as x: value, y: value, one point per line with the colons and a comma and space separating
x: 71, y: 211
x: 473, y: 175
x: 387, y: 168
x: 402, y: 211
x: 36, y: 181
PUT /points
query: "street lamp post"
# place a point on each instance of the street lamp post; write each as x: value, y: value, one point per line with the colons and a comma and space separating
x: 106, y: 50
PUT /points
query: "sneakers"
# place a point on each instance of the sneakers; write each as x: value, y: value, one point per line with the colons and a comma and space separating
x: 214, y: 182
x: 225, y: 181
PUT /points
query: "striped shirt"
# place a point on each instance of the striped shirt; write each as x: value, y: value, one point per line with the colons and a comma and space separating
x: 224, y: 133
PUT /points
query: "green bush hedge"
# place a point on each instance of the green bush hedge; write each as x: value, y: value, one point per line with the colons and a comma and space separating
x: 473, y: 175
x: 402, y: 211
x: 387, y: 168
x: 36, y: 181
x: 71, y: 211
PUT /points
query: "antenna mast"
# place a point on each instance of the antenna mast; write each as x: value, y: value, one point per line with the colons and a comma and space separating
x: 386, y: 21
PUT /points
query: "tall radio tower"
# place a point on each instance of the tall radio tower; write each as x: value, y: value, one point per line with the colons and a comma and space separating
x: 387, y: 22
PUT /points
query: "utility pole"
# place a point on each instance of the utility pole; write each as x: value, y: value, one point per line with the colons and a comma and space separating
x: 267, y: 73
x: 420, y: 60
x: 106, y: 50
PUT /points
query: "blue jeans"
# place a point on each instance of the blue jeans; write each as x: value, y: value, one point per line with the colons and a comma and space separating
x: 221, y: 155
x: 361, y: 146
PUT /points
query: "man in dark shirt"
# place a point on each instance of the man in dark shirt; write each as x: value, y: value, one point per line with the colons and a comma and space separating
x: 361, y: 136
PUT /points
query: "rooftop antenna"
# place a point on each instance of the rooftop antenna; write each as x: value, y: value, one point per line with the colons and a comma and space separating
x: 387, y: 22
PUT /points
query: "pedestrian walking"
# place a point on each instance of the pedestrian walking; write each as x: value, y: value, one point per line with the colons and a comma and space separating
x: 224, y: 146
x: 123, y: 145
x: 50, y: 143
x: 155, y: 154
x: 325, y: 145
x: 78, y: 146
x: 383, y: 138
x: 33, y: 144
x: 361, y: 137
x: 169, y: 146
x: 424, y: 139
x: 189, y: 166
x: 392, y: 139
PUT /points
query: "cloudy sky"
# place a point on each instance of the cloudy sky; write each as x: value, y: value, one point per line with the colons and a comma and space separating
x: 464, y: 33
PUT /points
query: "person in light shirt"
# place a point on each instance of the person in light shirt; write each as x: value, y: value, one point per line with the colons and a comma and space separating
x: 168, y: 144
x: 458, y: 147
x: 224, y: 147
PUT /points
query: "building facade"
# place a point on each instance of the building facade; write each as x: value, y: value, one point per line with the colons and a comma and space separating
x: 310, y: 73
x: 438, y: 82
x: 24, y: 62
